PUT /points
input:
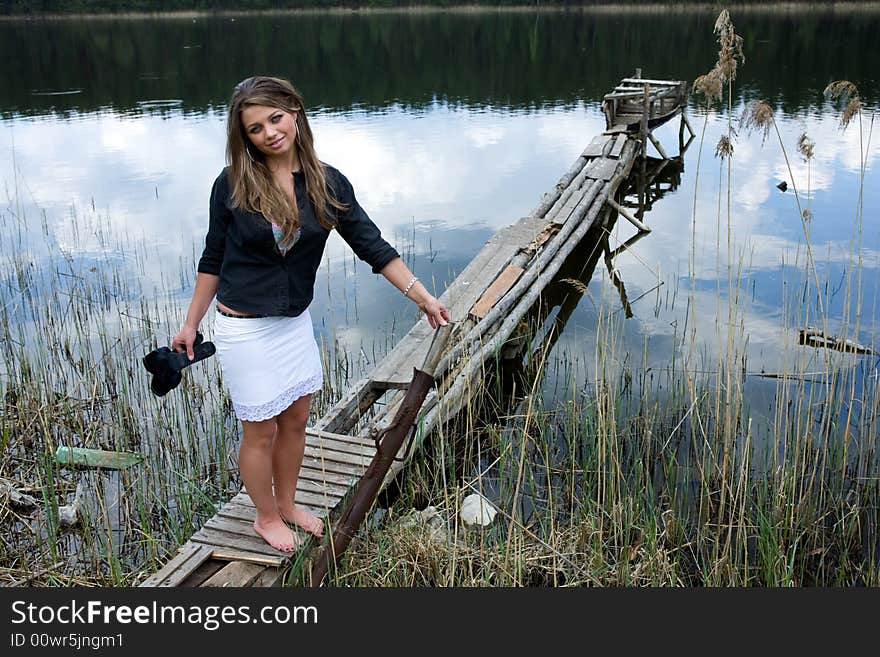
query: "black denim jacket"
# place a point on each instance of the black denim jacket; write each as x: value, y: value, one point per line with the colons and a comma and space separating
x: 254, y: 276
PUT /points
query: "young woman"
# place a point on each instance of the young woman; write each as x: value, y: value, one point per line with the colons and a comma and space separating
x: 271, y: 211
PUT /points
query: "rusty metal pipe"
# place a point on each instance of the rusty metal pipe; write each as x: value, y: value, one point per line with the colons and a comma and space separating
x: 389, y: 442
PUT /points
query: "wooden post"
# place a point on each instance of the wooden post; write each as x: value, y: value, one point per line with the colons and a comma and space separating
x: 658, y: 146
x: 644, y: 126
x: 626, y: 215
x: 681, y: 133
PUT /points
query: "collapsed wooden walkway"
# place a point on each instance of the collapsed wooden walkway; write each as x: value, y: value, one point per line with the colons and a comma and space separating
x: 486, y: 302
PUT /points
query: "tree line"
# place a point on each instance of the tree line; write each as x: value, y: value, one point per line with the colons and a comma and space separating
x: 37, y: 7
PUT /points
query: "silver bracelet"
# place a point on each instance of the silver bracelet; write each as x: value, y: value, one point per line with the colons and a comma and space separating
x: 409, y: 285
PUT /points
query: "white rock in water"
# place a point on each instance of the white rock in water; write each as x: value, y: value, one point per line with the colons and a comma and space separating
x: 476, y: 510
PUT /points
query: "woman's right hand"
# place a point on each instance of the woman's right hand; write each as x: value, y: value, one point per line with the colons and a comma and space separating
x: 184, y: 340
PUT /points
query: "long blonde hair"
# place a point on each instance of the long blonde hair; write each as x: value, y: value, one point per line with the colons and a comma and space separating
x: 253, y: 187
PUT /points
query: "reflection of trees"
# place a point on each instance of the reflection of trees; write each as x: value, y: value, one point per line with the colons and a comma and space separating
x: 506, y: 59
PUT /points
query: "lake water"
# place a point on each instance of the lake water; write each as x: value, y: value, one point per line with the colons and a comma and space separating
x: 451, y: 126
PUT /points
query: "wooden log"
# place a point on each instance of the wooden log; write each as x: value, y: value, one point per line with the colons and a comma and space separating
x: 453, y: 398
x: 561, y: 215
x: 577, y: 182
x: 657, y: 145
x: 531, y: 273
x: 534, y: 280
x: 626, y: 215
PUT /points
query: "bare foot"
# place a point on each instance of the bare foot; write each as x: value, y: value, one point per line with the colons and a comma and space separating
x: 278, y: 535
x: 302, y: 518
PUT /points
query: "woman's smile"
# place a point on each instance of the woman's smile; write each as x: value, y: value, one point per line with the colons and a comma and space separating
x: 271, y: 129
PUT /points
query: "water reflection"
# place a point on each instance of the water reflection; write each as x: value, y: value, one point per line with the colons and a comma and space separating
x: 121, y: 124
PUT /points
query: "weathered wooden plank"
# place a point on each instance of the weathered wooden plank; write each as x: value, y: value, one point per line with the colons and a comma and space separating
x: 341, y: 481
x: 618, y: 127
x: 230, y: 554
x: 617, y: 148
x: 233, y: 526
x: 269, y: 577
x: 188, y: 558
x: 311, y: 502
x: 368, y: 450
x: 496, y: 290
x: 340, y: 437
x: 653, y: 83
x: 322, y: 501
x: 306, y: 483
x: 596, y: 148
x: 360, y: 460
x: 221, y: 539
x: 395, y: 370
x: 235, y: 574
x: 404, y: 354
x: 619, y: 95
x: 239, y: 511
x: 202, y: 573
x: 604, y: 169
x: 333, y: 467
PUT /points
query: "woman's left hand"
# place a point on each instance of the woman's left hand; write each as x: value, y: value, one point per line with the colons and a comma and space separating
x: 436, y: 312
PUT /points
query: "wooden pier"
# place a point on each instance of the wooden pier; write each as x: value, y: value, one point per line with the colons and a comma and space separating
x: 486, y: 302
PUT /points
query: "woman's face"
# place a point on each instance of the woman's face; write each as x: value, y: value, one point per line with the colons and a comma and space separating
x: 271, y: 130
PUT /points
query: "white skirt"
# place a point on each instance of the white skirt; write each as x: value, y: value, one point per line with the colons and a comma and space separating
x: 267, y: 362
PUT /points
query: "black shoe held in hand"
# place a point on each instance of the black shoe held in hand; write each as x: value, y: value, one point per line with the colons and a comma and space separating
x: 166, y: 365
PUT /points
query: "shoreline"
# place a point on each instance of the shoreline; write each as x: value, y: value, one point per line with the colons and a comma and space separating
x: 847, y: 7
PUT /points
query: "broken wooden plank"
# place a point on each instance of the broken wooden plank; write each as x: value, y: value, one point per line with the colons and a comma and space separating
x: 498, y: 289
x: 234, y: 574
x: 190, y: 557
x: 269, y: 577
x: 617, y: 147
x: 202, y: 573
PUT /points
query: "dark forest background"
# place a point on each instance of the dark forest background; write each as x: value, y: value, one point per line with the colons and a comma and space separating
x: 12, y: 7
